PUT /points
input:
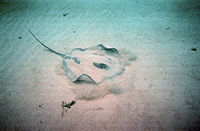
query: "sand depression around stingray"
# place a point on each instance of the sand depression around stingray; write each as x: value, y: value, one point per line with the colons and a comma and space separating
x: 95, y: 71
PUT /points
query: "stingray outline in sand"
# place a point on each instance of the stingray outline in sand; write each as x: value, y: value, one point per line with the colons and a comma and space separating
x: 85, y: 77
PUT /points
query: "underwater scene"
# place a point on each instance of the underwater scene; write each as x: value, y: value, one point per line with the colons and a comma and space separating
x: 114, y: 65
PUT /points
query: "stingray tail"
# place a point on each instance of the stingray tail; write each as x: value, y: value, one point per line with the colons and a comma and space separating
x: 62, y: 55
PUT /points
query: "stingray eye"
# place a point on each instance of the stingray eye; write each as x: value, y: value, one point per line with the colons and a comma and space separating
x: 101, y: 66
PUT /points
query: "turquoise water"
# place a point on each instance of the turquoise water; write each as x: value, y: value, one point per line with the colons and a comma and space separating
x: 160, y: 89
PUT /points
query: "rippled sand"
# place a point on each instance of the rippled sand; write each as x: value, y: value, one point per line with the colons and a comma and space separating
x: 163, y: 83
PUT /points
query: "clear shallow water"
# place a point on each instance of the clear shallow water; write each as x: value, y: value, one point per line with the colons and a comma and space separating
x: 164, y: 78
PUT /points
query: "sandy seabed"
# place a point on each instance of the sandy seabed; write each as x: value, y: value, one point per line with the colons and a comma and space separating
x: 160, y: 90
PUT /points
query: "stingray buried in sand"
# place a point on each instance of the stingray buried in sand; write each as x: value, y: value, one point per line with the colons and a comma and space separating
x: 90, y: 65
x: 89, y: 68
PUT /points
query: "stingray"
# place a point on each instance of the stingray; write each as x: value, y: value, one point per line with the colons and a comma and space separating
x: 90, y: 65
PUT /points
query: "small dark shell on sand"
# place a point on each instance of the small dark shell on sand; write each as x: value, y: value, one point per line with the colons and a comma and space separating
x: 65, y: 14
x: 68, y: 105
x: 194, y: 49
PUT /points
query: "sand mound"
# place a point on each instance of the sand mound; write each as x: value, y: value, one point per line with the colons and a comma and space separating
x: 96, y: 71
